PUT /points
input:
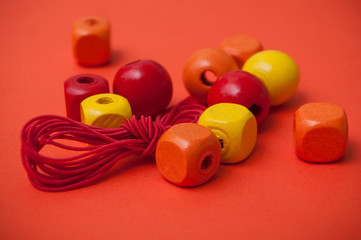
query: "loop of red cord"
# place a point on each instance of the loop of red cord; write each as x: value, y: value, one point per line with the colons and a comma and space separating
x: 102, y: 148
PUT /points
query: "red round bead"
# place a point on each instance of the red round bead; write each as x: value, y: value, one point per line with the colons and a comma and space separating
x: 242, y: 88
x: 147, y: 86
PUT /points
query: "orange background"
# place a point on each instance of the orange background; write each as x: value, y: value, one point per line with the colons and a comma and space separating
x: 272, y: 195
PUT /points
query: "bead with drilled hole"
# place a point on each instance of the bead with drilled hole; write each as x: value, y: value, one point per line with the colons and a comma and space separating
x: 320, y: 132
x: 203, y: 68
x: 278, y: 72
x: 79, y: 87
x: 241, y: 47
x: 91, y: 41
x: 188, y: 154
x: 235, y: 127
x: 105, y: 110
x: 242, y: 88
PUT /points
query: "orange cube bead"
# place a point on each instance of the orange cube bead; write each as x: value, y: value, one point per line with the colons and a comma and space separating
x: 320, y: 132
x: 203, y: 68
x: 241, y: 47
x: 91, y: 41
x: 188, y: 154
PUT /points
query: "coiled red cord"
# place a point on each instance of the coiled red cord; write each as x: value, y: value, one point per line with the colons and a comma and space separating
x: 100, y: 150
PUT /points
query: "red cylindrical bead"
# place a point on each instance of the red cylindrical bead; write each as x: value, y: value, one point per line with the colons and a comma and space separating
x: 79, y: 87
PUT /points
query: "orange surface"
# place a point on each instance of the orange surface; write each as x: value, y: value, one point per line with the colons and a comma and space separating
x: 271, y: 195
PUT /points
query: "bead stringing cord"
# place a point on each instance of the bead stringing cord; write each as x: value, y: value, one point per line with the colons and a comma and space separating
x: 101, y: 148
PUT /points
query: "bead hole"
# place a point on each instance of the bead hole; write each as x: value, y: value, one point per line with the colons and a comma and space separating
x: 255, y: 109
x: 105, y: 100
x: 207, y: 164
x: 85, y: 80
x: 208, y: 77
x: 91, y: 22
x: 221, y: 141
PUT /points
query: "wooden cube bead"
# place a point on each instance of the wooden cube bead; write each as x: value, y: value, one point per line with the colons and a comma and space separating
x: 235, y: 127
x: 188, y: 154
x: 320, y: 132
x: 241, y: 47
x: 201, y: 66
x: 79, y: 87
x: 105, y: 110
x: 91, y: 41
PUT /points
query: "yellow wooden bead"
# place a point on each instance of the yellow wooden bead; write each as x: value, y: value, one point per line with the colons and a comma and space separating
x: 277, y: 71
x: 105, y: 110
x: 236, y: 128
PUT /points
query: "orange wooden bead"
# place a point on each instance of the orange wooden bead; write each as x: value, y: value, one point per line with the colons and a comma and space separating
x: 320, y: 132
x: 188, y: 154
x: 91, y: 41
x: 201, y: 67
x: 241, y: 47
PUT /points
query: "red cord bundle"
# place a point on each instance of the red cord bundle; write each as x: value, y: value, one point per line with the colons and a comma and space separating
x: 103, y: 147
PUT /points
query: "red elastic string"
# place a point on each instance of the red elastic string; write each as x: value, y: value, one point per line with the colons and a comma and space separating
x: 100, y: 148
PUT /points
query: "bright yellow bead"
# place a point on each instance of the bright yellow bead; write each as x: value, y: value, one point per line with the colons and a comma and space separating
x: 236, y: 128
x: 278, y: 72
x: 105, y: 110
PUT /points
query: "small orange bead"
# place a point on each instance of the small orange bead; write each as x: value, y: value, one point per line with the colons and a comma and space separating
x: 320, y: 132
x: 201, y: 67
x: 91, y: 41
x: 241, y: 47
x: 188, y: 154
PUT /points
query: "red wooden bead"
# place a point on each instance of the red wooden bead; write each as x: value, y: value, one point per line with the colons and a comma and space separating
x: 79, y: 87
x: 320, y: 132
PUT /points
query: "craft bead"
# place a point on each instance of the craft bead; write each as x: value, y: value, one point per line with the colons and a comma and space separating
x: 105, y: 110
x: 91, y: 41
x: 147, y: 86
x: 242, y: 88
x: 277, y: 71
x: 320, y: 132
x: 79, y: 87
x: 201, y: 63
x: 235, y: 127
x: 188, y: 154
x: 241, y: 47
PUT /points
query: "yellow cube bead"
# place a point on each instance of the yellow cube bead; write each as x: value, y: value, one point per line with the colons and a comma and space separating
x: 235, y: 127
x: 278, y: 72
x: 105, y: 110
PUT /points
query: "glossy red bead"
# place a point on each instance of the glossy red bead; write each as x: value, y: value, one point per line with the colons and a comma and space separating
x: 147, y: 86
x: 79, y: 87
x: 241, y: 88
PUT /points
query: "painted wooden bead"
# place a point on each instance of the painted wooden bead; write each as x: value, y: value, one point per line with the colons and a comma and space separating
x: 91, y: 41
x: 320, y: 132
x: 277, y: 71
x: 235, y: 127
x: 241, y: 47
x: 202, y: 69
x: 79, y: 87
x: 105, y: 110
x: 188, y: 154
